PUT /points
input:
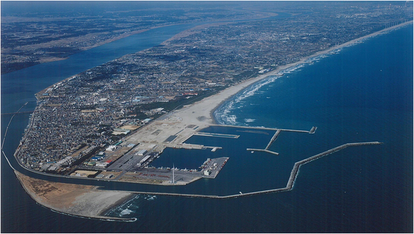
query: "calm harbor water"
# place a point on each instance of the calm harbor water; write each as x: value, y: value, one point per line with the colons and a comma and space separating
x: 362, y: 93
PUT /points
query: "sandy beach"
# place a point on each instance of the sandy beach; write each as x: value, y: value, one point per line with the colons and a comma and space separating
x: 201, y: 112
x: 89, y: 201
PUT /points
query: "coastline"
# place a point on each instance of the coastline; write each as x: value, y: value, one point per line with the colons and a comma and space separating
x: 210, y: 104
x: 118, y: 203
x: 215, y: 101
x: 230, y: 92
x: 201, y: 113
x: 85, y: 201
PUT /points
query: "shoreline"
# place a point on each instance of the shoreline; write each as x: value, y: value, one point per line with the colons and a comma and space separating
x: 234, y: 89
x: 119, y: 203
x: 202, y: 112
x: 83, y: 201
x: 207, y: 106
x: 237, y: 88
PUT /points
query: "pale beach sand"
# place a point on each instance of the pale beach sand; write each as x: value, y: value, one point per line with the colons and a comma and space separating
x: 201, y: 112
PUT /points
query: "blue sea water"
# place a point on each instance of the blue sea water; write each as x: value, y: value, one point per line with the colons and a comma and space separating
x: 362, y: 93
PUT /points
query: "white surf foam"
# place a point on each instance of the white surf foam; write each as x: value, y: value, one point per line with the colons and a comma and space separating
x: 125, y: 212
x: 223, y: 114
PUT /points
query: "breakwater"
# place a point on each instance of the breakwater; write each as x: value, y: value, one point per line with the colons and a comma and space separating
x: 296, y: 167
x: 273, y: 139
x: 17, y: 113
x: 275, y: 136
x: 290, y: 184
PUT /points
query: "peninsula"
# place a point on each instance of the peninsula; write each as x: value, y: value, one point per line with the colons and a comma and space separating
x: 110, y: 122
x: 197, y: 115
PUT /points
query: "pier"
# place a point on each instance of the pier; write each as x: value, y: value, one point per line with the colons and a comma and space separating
x: 313, y: 129
x: 246, y: 127
x: 233, y: 136
x: 212, y: 134
x: 290, y: 184
x: 262, y: 150
x: 275, y: 136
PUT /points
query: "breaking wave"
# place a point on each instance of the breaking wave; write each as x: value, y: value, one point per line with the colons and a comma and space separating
x: 223, y: 114
x: 125, y: 212
x: 249, y: 120
x: 130, y: 208
x: 150, y: 197
x: 127, y: 209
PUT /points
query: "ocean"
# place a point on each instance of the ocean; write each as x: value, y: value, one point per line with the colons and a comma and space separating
x: 361, y: 93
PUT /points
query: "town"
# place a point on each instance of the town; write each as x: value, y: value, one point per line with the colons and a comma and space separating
x: 30, y: 37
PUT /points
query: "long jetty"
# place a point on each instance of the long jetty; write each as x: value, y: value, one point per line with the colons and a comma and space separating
x: 290, y: 184
x: 10, y: 121
x: 17, y: 113
x: 246, y: 127
x: 313, y: 129
x: 295, y: 171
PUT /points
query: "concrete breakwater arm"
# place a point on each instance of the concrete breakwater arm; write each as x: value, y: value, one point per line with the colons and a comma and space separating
x: 295, y: 170
x: 88, y: 202
x: 275, y: 136
x: 293, y: 176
